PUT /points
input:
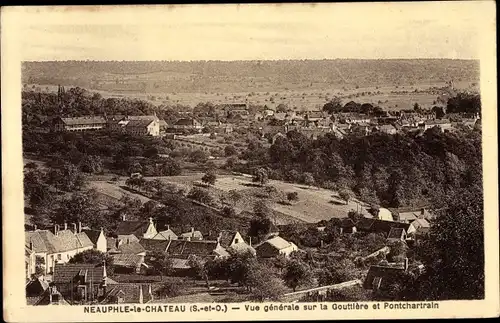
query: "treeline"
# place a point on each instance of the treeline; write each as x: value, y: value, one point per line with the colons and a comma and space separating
x: 77, y: 101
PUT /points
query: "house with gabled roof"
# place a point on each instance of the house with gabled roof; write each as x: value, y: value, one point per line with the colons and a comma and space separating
x: 128, y: 293
x: 274, y: 247
x: 128, y: 262
x: 409, y: 214
x: 379, y: 226
x: 78, y: 123
x: 59, y: 246
x: 154, y: 245
x: 143, y: 127
x: 140, y: 229
x: 98, y: 239
x: 182, y: 249
x: 193, y: 235
x: 81, y: 283
x: 29, y: 262
x: 396, y: 234
x: 234, y: 240
x: 166, y: 235
x: 380, y: 277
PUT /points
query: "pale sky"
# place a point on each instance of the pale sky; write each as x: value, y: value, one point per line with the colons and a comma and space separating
x: 245, y: 32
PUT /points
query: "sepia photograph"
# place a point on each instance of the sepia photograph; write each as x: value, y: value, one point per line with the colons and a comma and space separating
x: 237, y: 155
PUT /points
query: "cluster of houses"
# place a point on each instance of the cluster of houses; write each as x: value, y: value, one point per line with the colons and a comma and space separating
x: 269, y: 122
x: 405, y: 225
x: 60, y: 282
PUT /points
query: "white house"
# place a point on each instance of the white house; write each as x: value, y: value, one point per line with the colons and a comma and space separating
x: 98, y: 239
x: 234, y: 240
x: 57, y: 247
x: 274, y: 247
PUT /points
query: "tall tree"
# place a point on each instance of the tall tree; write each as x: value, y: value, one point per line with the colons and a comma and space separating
x: 297, y: 273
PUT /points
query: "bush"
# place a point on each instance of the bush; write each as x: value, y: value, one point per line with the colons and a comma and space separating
x: 200, y: 195
x: 169, y: 289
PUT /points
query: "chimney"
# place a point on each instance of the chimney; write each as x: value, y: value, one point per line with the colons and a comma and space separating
x: 74, y: 228
x: 406, y: 263
x: 124, y: 217
x: 65, y: 226
x: 322, y: 243
x: 34, y: 227
x: 250, y: 241
x: 168, y: 226
x: 79, y: 226
x: 56, y: 229
x: 151, y: 221
x: 422, y: 213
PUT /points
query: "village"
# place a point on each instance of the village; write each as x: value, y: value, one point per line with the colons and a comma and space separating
x: 233, y: 202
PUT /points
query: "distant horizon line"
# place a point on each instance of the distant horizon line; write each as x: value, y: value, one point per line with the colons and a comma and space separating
x: 252, y: 60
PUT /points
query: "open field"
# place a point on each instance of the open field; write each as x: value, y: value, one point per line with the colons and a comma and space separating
x: 302, y: 85
x: 113, y: 190
x: 314, y: 204
x: 303, y: 99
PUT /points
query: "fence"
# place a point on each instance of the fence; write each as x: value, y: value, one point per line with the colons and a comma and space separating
x: 295, y: 296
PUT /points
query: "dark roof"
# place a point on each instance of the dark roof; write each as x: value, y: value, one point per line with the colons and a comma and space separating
x: 375, y: 225
x: 395, y: 233
x: 154, y: 244
x: 226, y: 237
x: 383, y: 275
x: 131, y: 248
x: 129, y: 292
x: 148, y: 117
x: 137, y: 228
x: 138, y: 123
x: 187, y: 248
x: 127, y: 260
x: 185, y: 122
x: 347, y: 223
x: 66, y: 273
x: 93, y: 235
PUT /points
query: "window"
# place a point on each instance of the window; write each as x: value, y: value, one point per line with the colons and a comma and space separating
x: 236, y: 240
x: 58, y: 256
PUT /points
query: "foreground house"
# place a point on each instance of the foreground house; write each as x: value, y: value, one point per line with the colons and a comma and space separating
x: 128, y: 293
x: 81, y: 283
x: 57, y: 247
x: 29, y: 262
x: 380, y: 277
x: 396, y: 234
x: 274, y: 247
x: 126, y: 263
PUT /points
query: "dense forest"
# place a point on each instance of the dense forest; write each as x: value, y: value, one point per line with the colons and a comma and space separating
x: 390, y: 170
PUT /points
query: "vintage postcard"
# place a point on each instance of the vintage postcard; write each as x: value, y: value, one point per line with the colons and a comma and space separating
x: 250, y: 162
